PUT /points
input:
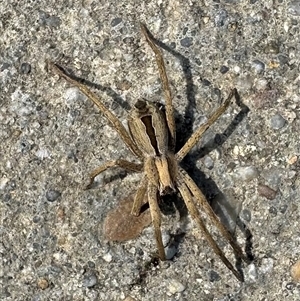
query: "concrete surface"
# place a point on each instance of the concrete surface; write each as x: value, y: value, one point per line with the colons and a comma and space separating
x: 52, y: 242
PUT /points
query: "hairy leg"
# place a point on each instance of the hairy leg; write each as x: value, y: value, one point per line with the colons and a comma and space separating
x: 139, y: 196
x: 199, y: 196
x: 188, y: 199
x: 114, y: 163
x: 166, y: 87
x: 191, y: 142
x: 156, y: 219
x: 114, y: 121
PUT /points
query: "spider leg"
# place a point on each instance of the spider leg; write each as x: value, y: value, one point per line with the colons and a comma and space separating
x: 188, y: 199
x: 139, y: 196
x: 156, y: 219
x: 165, y: 84
x: 191, y: 142
x: 114, y: 121
x: 114, y: 163
x: 199, y: 196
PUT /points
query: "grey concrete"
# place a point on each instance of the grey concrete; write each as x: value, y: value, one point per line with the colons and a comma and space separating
x: 52, y: 243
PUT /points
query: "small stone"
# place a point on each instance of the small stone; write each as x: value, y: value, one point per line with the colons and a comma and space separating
x: 258, y: 66
x: 90, y: 280
x: 252, y: 273
x: 244, y: 83
x: 128, y: 40
x: 216, y: 93
x: 4, y: 66
x: 25, y: 68
x: 206, y: 82
x: 107, y: 257
x: 52, y: 195
x: 3, y: 182
x: 205, y: 19
x: 273, y: 64
x: 290, y: 286
x: 171, y: 251
x: 275, y: 227
x: 246, y: 215
x: 295, y: 271
x: 273, y: 210
x: 53, y: 21
x: 294, y: 8
x: 236, y: 69
x: 175, y: 287
x: 277, y: 122
x: 221, y: 17
x: 272, y: 176
x: 46, y: 20
x: 224, y: 69
x: 232, y: 26
x: 72, y: 95
x: 282, y: 209
x: 246, y: 173
x: 283, y: 59
x: 208, y: 162
x: 272, y: 47
x: 213, y: 276
x: 42, y: 153
x: 267, y: 265
x: 132, y: 250
x: 292, y: 160
x: 124, y: 85
x: 186, y: 42
x: 36, y: 219
x: 266, y: 191
x: 43, y: 283
x: 115, y: 22
x: 91, y: 264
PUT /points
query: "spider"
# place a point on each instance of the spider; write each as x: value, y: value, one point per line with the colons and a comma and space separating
x: 151, y: 138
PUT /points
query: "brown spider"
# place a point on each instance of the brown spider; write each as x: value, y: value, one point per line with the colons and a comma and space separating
x: 151, y: 138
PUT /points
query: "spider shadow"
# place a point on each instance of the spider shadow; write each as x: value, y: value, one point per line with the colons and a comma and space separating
x: 117, y: 99
x: 215, y: 197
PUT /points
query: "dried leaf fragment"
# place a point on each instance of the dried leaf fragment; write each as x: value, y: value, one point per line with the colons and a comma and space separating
x: 121, y: 225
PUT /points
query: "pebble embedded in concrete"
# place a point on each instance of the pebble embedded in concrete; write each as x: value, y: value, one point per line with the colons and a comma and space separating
x: 277, y: 122
x: 246, y: 173
x: 175, y: 286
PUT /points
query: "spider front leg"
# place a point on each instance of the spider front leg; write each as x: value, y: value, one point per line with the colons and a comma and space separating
x: 188, y: 199
x: 166, y: 87
x: 156, y: 219
x: 114, y: 121
x: 114, y: 163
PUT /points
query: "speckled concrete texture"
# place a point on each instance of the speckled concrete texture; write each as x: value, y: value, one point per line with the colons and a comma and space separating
x: 248, y: 162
